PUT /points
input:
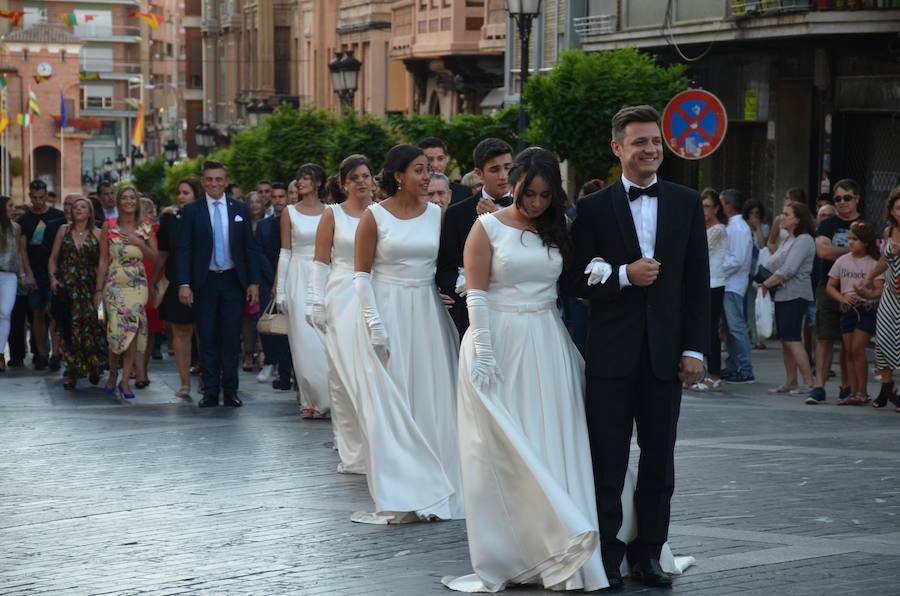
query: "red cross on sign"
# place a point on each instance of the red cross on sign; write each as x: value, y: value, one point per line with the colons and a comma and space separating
x: 694, y: 124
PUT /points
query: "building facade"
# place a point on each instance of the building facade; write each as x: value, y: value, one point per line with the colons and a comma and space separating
x: 811, y: 87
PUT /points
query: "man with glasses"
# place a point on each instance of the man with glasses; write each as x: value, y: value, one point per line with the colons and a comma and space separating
x: 832, y: 237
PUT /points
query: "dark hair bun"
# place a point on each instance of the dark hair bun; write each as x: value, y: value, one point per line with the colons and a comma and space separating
x: 397, y: 160
x: 334, y: 189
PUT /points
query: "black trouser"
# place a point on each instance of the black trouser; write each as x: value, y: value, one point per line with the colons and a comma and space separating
x: 714, y: 358
x: 219, y: 311
x: 17, y: 338
x: 278, y: 354
x: 612, y: 407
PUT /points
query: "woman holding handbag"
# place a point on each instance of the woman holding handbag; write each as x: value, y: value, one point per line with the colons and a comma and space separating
x: 791, y: 267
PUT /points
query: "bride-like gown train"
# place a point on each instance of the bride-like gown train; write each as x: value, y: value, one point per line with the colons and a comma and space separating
x: 527, y: 474
x: 408, y: 406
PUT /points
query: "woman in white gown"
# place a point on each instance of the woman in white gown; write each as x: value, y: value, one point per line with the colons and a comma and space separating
x: 332, y: 307
x: 298, y: 243
x: 527, y: 474
x: 406, y: 352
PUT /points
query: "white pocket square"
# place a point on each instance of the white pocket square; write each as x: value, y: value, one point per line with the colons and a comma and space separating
x: 238, y: 218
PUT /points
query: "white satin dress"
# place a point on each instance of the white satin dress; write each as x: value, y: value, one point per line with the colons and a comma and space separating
x: 341, y: 310
x: 408, y: 407
x: 528, y: 479
x: 307, y: 353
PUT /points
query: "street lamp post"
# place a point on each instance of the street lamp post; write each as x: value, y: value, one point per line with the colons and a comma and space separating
x: 170, y: 152
x: 205, y: 137
x: 137, y: 156
x: 523, y: 12
x: 253, y: 112
x: 107, y: 168
x: 344, y: 71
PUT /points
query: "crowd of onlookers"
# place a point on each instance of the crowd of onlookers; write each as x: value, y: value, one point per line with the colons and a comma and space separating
x: 93, y: 283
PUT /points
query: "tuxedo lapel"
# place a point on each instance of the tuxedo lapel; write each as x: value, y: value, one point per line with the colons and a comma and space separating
x: 626, y: 221
x: 666, y: 215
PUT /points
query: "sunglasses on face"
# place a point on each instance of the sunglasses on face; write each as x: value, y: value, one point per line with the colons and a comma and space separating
x: 843, y: 198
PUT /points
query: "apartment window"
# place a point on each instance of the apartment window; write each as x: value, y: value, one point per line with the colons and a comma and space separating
x: 96, y: 97
x: 170, y: 50
x: 97, y: 58
x: 193, y: 8
x: 603, y: 7
x: 699, y: 9
x: 283, y: 60
x: 93, y: 22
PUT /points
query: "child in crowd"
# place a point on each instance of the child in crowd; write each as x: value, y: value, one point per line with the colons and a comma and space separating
x: 857, y: 312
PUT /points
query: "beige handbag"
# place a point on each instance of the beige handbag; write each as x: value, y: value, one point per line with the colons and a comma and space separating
x: 272, y: 322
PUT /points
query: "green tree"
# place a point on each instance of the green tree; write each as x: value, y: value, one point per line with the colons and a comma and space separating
x: 570, y: 108
x: 356, y: 133
x: 294, y: 137
x: 150, y: 178
x: 182, y: 169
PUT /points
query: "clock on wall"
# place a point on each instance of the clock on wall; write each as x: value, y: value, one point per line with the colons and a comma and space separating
x: 44, y: 69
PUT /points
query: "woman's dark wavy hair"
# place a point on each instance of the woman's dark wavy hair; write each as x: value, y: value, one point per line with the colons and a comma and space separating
x: 6, y: 227
x: 195, y: 185
x: 551, y: 224
x: 397, y: 160
x: 317, y: 173
x: 335, y: 186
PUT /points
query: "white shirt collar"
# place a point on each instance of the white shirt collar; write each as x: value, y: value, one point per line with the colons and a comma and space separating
x: 210, y: 200
x: 485, y: 195
x: 628, y: 183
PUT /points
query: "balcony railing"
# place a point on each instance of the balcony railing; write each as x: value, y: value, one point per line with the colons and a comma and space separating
x: 752, y: 8
x: 599, y: 24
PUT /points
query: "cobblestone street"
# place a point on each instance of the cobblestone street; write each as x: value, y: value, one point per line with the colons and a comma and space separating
x: 773, y: 497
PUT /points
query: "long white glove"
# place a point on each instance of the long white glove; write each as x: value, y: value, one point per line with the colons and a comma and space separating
x: 461, y: 283
x: 598, y: 271
x: 362, y: 283
x: 315, y: 296
x: 484, y: 369
x: 284, y: 261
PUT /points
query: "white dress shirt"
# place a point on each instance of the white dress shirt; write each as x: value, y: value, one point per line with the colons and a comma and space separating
x: 111, y: 213
x: 738, y: 254
x: 644, y: 211
x: 485, y: 195
x: 223, y: 215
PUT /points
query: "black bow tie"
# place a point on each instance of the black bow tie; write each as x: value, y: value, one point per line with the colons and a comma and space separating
x: 635, y: 191
x: 504, y: 201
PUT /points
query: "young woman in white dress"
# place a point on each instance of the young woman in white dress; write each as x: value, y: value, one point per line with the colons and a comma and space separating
x: 331, y: 304
x: 298, y: 244
x: 527, y: 474
x: 406, y: 352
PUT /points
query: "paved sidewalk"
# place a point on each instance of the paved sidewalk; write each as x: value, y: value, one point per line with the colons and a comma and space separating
x: 773, y: 497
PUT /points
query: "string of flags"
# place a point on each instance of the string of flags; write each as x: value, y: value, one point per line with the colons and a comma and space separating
x: 70, y: 18
x: 151, y: 19
x: 14, y: 15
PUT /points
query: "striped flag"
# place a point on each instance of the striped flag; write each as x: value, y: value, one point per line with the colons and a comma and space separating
x: 14, y: 15
x: 137, y: 135
x: 24, y: 119
x: 40, y: 78
x: 151, y: 19
x: 33, y: 106
x: 63, y: 115
x: 133, y: 102
x: 89, y: 76
x: 4, y: 123
x: 70, y: 18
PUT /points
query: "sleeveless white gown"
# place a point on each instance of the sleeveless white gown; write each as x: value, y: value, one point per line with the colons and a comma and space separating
x: 341, y: 310
x: 408, y: 408
x: 306, y: 348
x: 528, y: 480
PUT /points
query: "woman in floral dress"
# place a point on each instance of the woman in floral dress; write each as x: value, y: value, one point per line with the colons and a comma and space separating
x: 72, y: 267
x: 122, y: 286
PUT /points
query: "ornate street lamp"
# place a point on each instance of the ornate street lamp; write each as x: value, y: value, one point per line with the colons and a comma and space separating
x: 344, y: 71
x: 107, y: 167
x: 137, y: 156
x: 170, y: 151
x: 205, y: 137
x: 121, y: 162
x: 523, y: 12
x: 264, y: 108
x: 253, y: 112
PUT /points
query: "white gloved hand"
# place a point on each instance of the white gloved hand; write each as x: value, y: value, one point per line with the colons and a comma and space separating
x: 598, y: 271
x: 362, y: 283
x: 460, y: 286
x: 484, y: 371
x: 284, y: 262
x: 315, y: 296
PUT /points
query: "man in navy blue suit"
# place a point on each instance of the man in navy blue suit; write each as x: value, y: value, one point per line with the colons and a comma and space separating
x: 217, y: 270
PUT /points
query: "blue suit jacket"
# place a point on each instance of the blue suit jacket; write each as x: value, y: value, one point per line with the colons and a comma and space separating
x: 195, y: 244
x: 268, y: 235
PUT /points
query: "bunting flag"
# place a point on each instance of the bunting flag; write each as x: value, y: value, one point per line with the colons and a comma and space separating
x: 24, y: 119
x: 89, y: 76
x: 135, y: 103
x: 3, y: 81
x: 14, y: 15
x: 33, y: 103
x: 4, y: 123
x: 151, y: 19
x: 70, y: 18
x: 63, y: 115
x: 137, y: 135
x: 41, y: 78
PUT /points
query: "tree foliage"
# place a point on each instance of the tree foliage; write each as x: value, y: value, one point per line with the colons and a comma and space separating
x: 571, y: 107
x: 150, y: 178
x: 359, y: 134
x: 179, y: 171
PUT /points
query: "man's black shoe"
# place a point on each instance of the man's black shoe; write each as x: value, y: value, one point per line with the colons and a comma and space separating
x: 650, y: 574
x: 208, y: 401
x: 615, y: 580
x: 282, y: 385
x: 54, y: 363
x: 233, y: 401
x: 39, y: 362
x: 15, y: 363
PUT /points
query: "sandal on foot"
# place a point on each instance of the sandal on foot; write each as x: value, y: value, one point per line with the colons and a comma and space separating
x: 885, y: 395
x: 854, y: 399
x: 183, y: 391
x: 782, y: 389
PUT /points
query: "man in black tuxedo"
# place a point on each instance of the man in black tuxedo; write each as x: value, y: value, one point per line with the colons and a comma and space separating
x: 217, y: 269
x: 268, y: 235
x: 493, y: 160
x: 649, y: 329
x: 436, y: 152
